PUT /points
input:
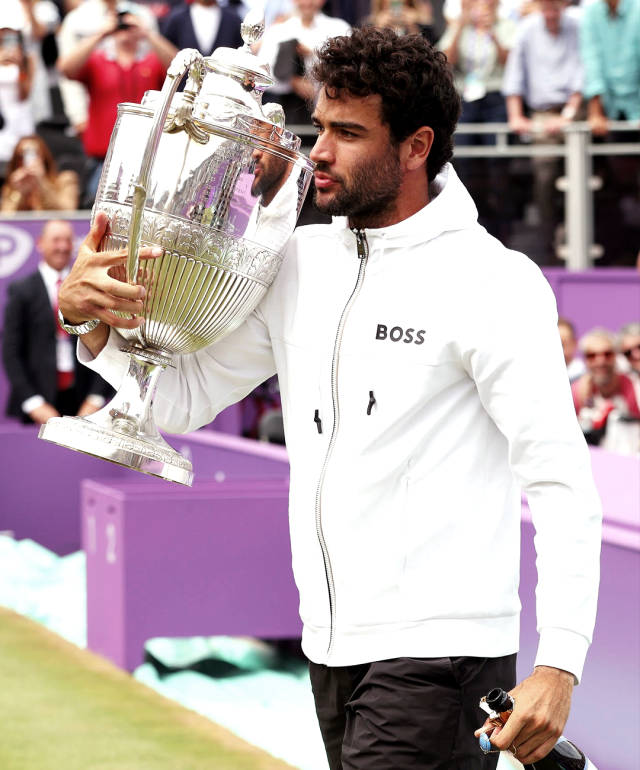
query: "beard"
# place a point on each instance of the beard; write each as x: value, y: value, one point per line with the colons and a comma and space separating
x: 270, y: 180
x: 370, y: 192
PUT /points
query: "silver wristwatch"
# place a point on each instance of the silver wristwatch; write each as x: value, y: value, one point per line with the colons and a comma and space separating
x: 77, y: 329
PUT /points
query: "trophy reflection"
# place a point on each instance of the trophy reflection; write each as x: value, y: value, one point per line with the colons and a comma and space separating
x: 211, y: 176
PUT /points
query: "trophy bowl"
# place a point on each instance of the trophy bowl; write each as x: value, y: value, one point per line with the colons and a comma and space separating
x: 211, y: 176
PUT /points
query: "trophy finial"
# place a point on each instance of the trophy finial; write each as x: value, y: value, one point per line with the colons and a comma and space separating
x: 252, y: 27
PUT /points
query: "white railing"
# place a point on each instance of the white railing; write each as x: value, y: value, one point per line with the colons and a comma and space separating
x: 577, y: 184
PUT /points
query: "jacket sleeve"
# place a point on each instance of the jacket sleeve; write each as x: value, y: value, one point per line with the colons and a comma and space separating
x: 515, y: 358
x: 202, y: 384
x: 14, y: 346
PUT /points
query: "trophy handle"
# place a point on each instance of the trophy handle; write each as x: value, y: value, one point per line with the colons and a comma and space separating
x: 188, y: 60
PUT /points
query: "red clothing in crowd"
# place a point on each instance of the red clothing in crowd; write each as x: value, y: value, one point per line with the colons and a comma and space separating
x: 109, y: 84
x: 624, y: 399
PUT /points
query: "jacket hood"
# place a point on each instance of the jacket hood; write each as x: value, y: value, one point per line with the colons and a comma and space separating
x: 450, y: 208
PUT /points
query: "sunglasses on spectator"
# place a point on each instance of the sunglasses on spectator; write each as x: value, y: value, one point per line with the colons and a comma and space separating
x: 608, y: 355
x: 628, y: 353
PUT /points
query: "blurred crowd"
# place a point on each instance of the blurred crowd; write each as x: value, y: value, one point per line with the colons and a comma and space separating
x: 537, y: 64
x: 604, y: 371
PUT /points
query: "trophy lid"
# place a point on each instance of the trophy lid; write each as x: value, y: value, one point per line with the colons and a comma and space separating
x: 241, y: 63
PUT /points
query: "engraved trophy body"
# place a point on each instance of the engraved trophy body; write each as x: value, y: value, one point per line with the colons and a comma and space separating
x: 212, y: 176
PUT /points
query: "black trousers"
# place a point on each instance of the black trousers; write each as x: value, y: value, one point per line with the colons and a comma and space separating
x: 407, y: 712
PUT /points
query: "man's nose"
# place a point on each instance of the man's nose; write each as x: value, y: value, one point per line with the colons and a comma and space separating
x: 322, y: 150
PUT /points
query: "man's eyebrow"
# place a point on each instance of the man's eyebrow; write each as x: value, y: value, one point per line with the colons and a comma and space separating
x: 340, y: 124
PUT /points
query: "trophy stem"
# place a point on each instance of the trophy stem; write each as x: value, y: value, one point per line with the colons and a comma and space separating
x: 124, y: 431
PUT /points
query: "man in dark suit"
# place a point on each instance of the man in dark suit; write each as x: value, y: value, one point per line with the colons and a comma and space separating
x: 39, y: 357
x: 203, y: 25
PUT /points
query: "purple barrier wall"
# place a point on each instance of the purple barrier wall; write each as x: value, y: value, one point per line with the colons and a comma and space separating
x: 40, y: 481
x: 608, y: 297
x: 606, y: 705
x: 214, y: 559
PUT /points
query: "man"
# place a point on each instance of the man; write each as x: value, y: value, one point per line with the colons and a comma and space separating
x: 203, y: 25
x: 610, y: 40
x: 38, y: 356
x: 603, y: 391
x: 629, y: 348
x: 575, y: 365
x: 404, y: 338
x: 544, y: 73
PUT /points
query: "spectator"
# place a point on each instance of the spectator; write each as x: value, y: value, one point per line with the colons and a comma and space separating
x: 86, y: 20
x: 421, y: 17
x: 629, y: 348
x: 118, y: 73
x: 35, y: 19
x: 203, y: 25
x: 575, y: 365
x: 16, y: 77
x: 610, y: 37
x: 44, y: 376
x: 544, y: 72
x: 477, y: 45
x: 33, y: 183
x: 603, y: 395
x: 288, y: 48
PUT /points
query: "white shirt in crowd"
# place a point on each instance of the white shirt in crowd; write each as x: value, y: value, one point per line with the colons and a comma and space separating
x: 312, y: 37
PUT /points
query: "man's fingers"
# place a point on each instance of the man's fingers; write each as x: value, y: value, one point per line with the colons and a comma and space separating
x: 124, y: 290
x: 97, y: 231
x: 111, y: 319
x: 532, y: 750
x: 119, y: 257
x: 508, y: 735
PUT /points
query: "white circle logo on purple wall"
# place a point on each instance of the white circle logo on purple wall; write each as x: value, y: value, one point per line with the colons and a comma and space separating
x: 16, y: 246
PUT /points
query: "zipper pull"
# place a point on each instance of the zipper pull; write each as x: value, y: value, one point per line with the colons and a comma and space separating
x: 372, y: 401
x: 361, y: 243
x: 317, y: 420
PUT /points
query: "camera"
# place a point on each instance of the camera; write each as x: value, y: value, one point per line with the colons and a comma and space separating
x: 122, y: 24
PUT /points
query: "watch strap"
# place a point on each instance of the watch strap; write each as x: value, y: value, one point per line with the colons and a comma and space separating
x: 77, y: 329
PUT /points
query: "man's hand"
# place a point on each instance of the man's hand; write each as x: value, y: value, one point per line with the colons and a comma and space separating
x: 599, y: 125
x: 541, y: 710
x: 87, y: 407
x: 90, y: 291
x: 42, y: 413
x: 521, y: 125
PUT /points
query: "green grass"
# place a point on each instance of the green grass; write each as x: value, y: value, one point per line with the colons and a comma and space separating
x: 63, y: 708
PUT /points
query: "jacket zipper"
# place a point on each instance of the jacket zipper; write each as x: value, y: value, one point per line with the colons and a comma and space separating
x: 363, y: 255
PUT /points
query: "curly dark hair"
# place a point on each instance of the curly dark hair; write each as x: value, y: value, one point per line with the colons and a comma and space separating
x: 412, y: 78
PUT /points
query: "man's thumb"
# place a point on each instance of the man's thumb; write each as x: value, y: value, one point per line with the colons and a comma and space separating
x: 97, y: 231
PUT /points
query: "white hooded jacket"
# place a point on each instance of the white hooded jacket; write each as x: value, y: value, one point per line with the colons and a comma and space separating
x: 423, y: 385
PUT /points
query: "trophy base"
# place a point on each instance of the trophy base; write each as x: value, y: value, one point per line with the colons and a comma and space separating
x: 154, y: 457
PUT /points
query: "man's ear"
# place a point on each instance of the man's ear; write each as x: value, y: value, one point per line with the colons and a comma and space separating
x: 416, y: 148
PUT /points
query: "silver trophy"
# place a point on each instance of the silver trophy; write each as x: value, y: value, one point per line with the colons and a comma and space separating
x: 213, y: 177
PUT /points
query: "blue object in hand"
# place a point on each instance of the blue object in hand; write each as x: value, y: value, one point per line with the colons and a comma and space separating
x: 485, y: 744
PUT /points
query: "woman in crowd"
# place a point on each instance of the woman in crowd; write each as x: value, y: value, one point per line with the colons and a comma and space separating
x: 16, y: 78
x: 33, y: 183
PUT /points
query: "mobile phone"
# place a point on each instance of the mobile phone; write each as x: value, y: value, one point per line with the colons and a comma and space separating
x: 29, y: 156
x: 122, y: 24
